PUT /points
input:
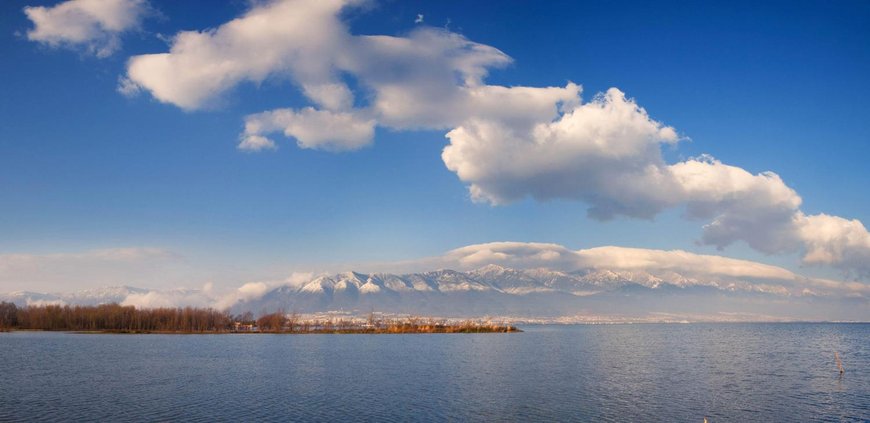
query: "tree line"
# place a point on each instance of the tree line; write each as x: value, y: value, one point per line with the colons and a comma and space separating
x: 129, y: 319
x: 114, y: 317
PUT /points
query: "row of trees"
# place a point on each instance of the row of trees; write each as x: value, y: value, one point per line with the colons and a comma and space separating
x: 114, y: 317
x: 118, y: 318
x: 8, y: 315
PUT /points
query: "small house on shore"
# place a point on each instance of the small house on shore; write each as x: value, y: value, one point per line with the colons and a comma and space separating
x: 245, y: 327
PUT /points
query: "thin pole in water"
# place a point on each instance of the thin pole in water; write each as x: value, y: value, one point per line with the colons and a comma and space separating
x: 839, y: 363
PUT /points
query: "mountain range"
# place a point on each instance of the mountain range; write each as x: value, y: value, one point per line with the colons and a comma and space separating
x: 491, y: 290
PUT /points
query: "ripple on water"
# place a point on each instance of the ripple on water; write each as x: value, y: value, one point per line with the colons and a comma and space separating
x: 727, y: 372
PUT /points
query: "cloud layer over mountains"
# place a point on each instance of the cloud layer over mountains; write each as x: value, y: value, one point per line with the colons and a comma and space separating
x: 505, y: 143
x: 690, y: 268
x: 522, y: 279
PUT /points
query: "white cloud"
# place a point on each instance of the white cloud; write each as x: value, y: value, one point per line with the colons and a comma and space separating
x: 527, y: 255
x: 95, y: 25
x: 756, y: 209
x: 256, y: 143
x: 684, y: 262
x: 429, y: 79
x: 127, y: 87
x: 506, y: 143
x: 518, y: 255
x: 835, y: 240
x: 279, y: 38
x: 171, y: 298
x: 252, y: 289
x: 605, y: 152
x: 298, y: 279
x: 255, y: 290
x: 320, y: 129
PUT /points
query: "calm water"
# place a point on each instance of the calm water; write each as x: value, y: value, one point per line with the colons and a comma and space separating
x: 727, y: 372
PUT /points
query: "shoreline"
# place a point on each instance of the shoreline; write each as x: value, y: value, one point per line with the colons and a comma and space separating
x: 448, y: 331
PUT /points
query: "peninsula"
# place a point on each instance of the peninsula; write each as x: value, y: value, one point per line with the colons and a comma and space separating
x: 114, y: 318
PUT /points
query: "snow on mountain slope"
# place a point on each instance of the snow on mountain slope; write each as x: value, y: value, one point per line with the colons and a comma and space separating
x: 453, y: 281
x: 490, y: 289
x: 510, y: 280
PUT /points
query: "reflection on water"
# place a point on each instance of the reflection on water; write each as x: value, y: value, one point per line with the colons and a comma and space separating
x: 647, y: 372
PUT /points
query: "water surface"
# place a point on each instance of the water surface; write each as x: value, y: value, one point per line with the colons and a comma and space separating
x: 641, y: 372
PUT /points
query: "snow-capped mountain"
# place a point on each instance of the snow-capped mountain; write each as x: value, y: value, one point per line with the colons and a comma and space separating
x: 492, y: 290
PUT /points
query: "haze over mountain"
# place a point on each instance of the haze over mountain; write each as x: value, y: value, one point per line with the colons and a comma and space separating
x: 585, y: 294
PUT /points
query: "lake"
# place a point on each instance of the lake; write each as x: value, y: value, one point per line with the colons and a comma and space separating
x: 641, y: 372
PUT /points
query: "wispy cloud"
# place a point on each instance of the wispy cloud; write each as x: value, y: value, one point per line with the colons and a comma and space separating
x: 170, y: 298
x: 255, y: 290
x: 256, y: 143
x: 93, y: 25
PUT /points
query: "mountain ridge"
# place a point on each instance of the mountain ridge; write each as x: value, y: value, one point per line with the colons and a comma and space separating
x: 488, y: 290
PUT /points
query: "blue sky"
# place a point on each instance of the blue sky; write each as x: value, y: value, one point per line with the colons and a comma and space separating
x: 778, y: 86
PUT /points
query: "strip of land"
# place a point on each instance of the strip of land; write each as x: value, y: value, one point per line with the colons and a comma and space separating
x: 114, y: 318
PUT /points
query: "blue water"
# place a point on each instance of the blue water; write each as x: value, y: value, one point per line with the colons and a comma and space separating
x: 726, y: 372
